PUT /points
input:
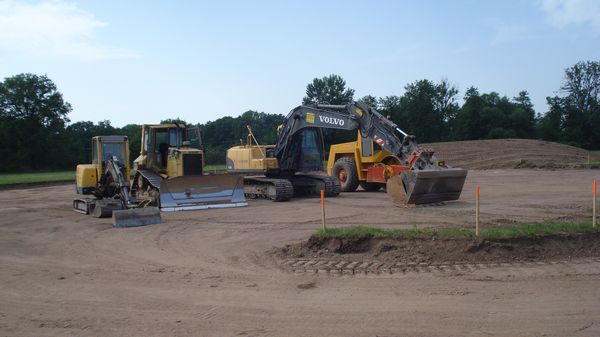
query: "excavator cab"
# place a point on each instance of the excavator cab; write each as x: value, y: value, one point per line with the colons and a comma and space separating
x: 306, y: 151
x: 87, y: 176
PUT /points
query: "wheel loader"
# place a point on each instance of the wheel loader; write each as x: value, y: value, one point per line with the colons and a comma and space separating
x: 168, y: 176
x: 385, y: 156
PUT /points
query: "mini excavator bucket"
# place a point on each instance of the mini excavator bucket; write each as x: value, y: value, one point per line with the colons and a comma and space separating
x: 135, y: 217
x: 426, y: 186
x: 202, y: 192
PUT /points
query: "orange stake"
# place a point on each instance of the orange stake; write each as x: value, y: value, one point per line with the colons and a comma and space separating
x: 594, y: 204
x: 477, y: 190
x: 323, y: 207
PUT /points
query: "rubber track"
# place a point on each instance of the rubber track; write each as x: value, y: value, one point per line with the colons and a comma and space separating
x: 283, y: 188
x: 331, y: 184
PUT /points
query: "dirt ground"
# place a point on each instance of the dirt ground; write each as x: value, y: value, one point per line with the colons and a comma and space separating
x: 405, y: 253
x: 208, y: 273
x: 512, y: 153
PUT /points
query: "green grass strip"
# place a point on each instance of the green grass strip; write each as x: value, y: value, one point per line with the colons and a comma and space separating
x: 519, y: 231
x: 36, y: 177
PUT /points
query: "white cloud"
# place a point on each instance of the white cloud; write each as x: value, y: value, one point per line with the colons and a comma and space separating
x: 565, y: 12
x: 54, y: 28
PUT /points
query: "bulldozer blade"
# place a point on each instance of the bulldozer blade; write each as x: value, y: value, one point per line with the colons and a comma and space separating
x: 202, y: 192
x: 136, y: 217
x: 427, y: 186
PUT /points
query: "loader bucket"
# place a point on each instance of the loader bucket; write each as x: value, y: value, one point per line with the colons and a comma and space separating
x: 427, y: 186
x: 202, y: 192
x: 136, y: 217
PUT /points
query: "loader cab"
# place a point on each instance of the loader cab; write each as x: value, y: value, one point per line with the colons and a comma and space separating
x: 171, y: 150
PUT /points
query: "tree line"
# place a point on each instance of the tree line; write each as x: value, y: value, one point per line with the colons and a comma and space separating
x: 36, y: 133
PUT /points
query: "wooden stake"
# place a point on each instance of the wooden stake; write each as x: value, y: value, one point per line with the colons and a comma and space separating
x: 477, y: 210
x: 594, y: 204
x: 323, y: 208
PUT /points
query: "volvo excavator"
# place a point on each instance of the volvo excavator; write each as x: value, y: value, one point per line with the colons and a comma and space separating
x: 411, y: 174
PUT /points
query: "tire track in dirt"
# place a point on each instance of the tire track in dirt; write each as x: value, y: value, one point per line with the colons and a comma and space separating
x: 336, y: 267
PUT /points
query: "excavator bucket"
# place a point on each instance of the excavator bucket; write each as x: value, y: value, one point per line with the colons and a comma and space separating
x: 201, y: 192
x: 426, y: 186
x: 136, y: 217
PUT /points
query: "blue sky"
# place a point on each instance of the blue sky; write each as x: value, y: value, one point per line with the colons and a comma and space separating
x: 143, y: 61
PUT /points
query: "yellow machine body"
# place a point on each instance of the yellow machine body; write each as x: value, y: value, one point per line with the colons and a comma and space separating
x: 365, y: 153
x: 163, y: 152
x: 171, y: 166
x: 250, y: 159
x: 87, y: 176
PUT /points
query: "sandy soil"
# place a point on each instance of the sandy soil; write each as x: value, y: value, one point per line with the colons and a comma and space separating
x: 511, y: 153
x: 206, y: 273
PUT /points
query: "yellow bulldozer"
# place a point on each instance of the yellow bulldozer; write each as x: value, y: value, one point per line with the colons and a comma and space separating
x: 169, y: 175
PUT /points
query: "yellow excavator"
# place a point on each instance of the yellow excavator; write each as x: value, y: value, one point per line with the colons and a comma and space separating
x: 168, y: 176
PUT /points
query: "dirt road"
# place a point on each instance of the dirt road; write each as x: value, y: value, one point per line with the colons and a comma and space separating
x: 206, y: 273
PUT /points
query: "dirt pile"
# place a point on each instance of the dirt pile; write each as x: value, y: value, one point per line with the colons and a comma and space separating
x: 445, y: 250
x: 511, y: 153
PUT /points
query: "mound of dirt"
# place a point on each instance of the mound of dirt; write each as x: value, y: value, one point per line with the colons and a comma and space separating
x: 511, y: 153
x: 445, y: 250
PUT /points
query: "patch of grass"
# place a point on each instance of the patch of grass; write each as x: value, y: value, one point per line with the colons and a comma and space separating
x: 36, y: 177
x: 520, y: 231
x: 218, y: 167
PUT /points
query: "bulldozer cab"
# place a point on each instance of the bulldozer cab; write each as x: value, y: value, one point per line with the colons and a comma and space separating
x: 171, y: 149
x: 105, y: 147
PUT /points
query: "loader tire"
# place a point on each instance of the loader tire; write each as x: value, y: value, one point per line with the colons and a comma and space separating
x: 344, y: 170
x: 370, y: 187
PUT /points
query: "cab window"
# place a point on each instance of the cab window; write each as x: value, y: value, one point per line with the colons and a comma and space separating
x: 113, y: 149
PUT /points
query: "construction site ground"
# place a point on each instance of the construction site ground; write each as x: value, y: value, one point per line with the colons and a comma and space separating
x: 214, y: 273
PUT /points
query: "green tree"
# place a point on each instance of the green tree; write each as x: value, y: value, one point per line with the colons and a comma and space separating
x: 389, y: 106
x: 371, y: 101
x: 550, y: 125
x: 574, y: 117
x: 33, y: 115
x: 223, y: 133
x: 173, y: 121
x: 582, y: 104
x: 329, y: 90
x: 426, y: 109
